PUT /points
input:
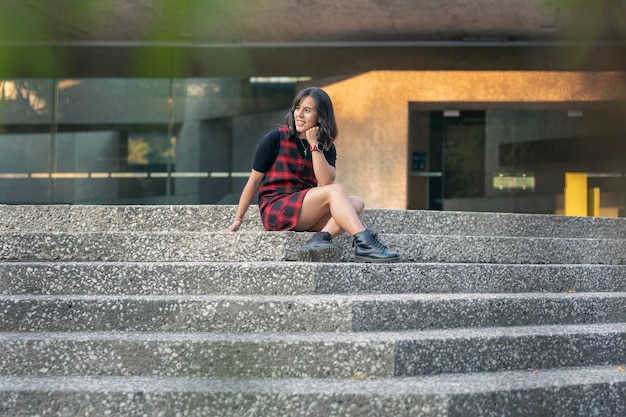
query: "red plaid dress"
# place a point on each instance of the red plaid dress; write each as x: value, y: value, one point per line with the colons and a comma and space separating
x: 285, y: 185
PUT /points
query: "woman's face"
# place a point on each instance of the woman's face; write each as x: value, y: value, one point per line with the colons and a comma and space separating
x: 305, y: 114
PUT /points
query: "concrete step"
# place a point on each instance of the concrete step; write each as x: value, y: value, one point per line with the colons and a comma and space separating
x: 207, y: 218
x: 495, y: 249
x: 563, y: 392
x: 148, y: 309
x: 320, y: 313
x: 145, y: 246
x: 293, y: 278
x: 278, y: 246
x: 312, y: 355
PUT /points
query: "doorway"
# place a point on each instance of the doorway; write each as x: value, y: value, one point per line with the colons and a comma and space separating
x: 514, y: 157
x: 448, y: 156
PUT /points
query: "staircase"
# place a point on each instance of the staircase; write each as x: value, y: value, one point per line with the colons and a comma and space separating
x: 150, y: 311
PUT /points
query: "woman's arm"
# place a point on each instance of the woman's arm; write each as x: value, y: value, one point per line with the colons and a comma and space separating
x: 324, y: 172
x: 247, y: 195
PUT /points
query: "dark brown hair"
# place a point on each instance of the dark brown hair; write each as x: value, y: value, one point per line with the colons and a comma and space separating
x: 325, y: 114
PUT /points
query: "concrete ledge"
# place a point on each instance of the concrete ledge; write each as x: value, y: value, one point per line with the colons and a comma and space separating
x: 279, y: 246
x: 159, y: 277
x: 430, y: 222
x: 507, y: 250
x: 469, y: 278
x: 440, y: 311
x: 319, y: 313
x: 209, y: 218
x: 146, y: 246
x: 97, y: 300
x: 270, y: 278
x: 141, y: 218
x: 176, y: 313
x: 515, y: 348
x: 594, y: 390
x: 312, y: 355
x: 265, y: 355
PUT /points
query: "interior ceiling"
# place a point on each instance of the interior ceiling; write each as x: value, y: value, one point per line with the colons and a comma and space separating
x: 305, y: 37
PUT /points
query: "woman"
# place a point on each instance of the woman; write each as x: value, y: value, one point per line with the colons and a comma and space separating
x: 293, y: 171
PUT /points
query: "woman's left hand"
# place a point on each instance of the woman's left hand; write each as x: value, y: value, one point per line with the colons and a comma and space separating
x: 311, y: 135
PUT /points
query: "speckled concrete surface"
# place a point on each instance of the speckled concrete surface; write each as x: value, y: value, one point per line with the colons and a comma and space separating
x: 507, y: 250
x: 77, y: 218
x: 573, y: 392
x: 425, y: 311
x: 431, y: 222
x: 312, y: 355
x: 176, y: 313
x: 147, y: 310
x: 321, y: 313
x: 302, y: 278
x: 147, y: 247
x: 166, y: 397
x: 468, y: 278
x: 511, y: 348
x: 278, y: 246
x: 159, y: 278
x: 265, y: 355
x: 207, y: 218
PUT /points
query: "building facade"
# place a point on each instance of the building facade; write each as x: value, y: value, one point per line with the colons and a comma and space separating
x: 446, y: 105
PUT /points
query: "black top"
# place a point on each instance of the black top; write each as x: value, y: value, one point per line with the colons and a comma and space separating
x: 268, y: 146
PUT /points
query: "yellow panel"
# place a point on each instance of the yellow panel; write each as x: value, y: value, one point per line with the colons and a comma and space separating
x: 575, y: 194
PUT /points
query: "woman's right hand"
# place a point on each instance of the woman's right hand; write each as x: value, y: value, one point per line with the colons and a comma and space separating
x: 233, y: 227
x: 247, y: 195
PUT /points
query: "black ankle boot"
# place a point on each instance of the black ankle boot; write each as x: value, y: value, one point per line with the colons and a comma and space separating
x: 320, y: 248
x: 367, y: 248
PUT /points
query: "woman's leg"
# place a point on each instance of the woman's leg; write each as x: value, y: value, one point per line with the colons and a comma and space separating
x: 330, y: 209
x: 328, y: 224
x: 331, y: 225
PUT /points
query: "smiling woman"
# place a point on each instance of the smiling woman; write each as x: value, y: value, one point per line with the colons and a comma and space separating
x: 293, y: 173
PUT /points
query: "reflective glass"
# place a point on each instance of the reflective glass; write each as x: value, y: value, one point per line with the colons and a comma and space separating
x: 26, y: 140
x: 517, y: 160
x: 132, y: 141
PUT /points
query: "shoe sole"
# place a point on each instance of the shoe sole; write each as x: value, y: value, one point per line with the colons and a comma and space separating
x: 366, y: 259
x: 325, y: 254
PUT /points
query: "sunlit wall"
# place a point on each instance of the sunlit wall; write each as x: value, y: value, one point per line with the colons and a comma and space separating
x: 542, y: 123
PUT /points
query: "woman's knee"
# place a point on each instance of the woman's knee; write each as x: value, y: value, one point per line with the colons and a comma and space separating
x: 358, y: 204
x: 336, y: 190
x: 339, y: 191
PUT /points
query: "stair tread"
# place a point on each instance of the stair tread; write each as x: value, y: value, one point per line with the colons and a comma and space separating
x: 107, y: 307
x: 598, y: 390
x: 277, y: 246
x: 328, y: 337
x: 217, y: 217
x: 303, y: 235
x: 279, y: 277
x: 320, y: 298
x: 303, y: 313
x: 418, y: 385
